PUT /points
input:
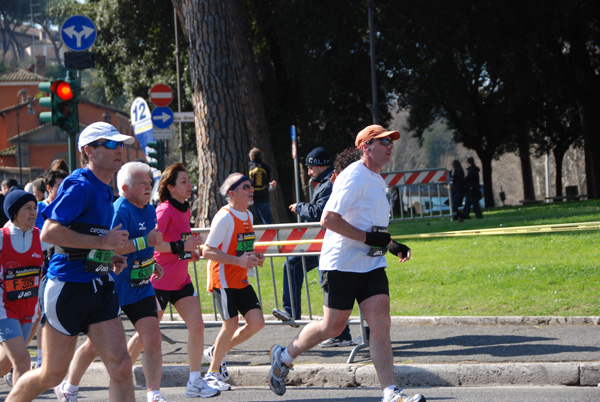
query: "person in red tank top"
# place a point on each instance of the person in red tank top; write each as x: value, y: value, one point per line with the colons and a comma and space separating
x: 229, y: 248
x: 20, y: 270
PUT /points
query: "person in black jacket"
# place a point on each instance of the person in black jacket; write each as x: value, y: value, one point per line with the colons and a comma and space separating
x: 457, y: 189
x: 318, y: 162
x: 472, y: 192
x: 260, y: 174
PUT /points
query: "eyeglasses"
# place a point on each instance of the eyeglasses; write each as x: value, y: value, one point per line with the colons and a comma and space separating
x: 384, y: 141
x: 110, y: 144
x: 246, y: 187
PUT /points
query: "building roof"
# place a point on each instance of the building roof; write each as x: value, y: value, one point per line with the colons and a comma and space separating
x: 20, y: 75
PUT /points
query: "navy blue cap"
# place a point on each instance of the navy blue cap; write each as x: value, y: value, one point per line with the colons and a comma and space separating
x: 15, y: 200
x: 318, y: 157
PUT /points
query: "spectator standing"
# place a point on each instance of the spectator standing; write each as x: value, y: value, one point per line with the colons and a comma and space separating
x: 472, y: 192
x: 353, y: 264
x: 229, y: 248
x: 76, y: 294
x: 457, y: 189
x: 260, y: 174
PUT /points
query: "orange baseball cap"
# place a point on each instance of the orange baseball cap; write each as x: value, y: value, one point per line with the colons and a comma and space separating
x: 374, y: 131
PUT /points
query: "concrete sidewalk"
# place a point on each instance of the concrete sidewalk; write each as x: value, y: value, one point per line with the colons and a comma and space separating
x: 428, y: 351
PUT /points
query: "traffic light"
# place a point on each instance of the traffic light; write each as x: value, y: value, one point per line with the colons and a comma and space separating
x: 63, y: 101
x: 157, y: 153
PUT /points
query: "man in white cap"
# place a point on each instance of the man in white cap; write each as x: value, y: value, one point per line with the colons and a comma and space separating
x: 77, y: 295
x: 353, y: 264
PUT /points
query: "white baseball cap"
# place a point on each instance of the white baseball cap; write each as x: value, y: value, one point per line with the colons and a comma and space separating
x: 101, y: 130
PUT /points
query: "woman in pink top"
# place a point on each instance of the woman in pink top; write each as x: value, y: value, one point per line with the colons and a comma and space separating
x: 175, y: 286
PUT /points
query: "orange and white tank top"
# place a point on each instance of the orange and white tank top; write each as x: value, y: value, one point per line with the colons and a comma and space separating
x: 236, y: 242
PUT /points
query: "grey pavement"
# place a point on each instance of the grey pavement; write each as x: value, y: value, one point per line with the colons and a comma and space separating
x: 428, y: 351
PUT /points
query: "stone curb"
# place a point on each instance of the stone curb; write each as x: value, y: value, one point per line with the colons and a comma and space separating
x: 446, y: 320
x: 357, y: 375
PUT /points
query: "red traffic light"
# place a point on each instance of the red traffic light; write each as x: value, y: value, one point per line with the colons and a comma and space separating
x: 62, y: 89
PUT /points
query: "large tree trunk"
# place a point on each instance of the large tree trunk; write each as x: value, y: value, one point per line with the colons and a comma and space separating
x: 228, y: 108
x: 526, y: 171
x: 559, y: 155
x: 590, y: 124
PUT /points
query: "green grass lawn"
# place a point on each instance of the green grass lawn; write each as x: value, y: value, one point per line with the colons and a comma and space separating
x: 532, y: 274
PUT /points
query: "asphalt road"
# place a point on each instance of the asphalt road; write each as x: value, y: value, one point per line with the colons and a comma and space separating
x: 300, y: 394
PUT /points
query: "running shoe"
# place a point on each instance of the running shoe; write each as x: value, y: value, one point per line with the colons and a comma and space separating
x: 8, y: 378
x: 400, y: 396
x: 159, y: 398
x: 284, y: 316
x: 200, y: 389
x: 279, y: 371
x: 216, y: 381
x: 332, y: 342
x: 64, y: 396
x: 208, y: 354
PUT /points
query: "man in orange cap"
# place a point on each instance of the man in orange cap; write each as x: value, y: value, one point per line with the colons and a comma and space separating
x: 353, y: 264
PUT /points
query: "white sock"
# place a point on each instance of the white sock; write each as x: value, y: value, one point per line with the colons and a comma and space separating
x: 195, y: 376
x: 286, y: 358
x: 388, y: 392
x: 150, y: 395
x: 68, y: 387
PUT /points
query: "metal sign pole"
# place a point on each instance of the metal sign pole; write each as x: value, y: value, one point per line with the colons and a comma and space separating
x: 296, y: 172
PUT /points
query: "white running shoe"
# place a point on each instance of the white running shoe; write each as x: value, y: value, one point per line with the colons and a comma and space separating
x: 200, y: 389
x: 216, y: 381
x: 64, y: 396
x: 159, y: 398
x: 400, y: 396
x: 208, y: 354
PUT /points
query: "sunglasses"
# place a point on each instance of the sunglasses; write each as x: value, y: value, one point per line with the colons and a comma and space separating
x: 110, y: 144
x: 384, y: 141
x: 246, y: 187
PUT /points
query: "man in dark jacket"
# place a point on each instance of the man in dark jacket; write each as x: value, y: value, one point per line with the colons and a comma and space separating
x: 472, y: 192
x: 320, y: 168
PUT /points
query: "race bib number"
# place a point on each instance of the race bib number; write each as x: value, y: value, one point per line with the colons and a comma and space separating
x: 245, y: 243
x: 98, y: 261
x: 141, y: 270
x: 21, y: 282
x: 378, y: 251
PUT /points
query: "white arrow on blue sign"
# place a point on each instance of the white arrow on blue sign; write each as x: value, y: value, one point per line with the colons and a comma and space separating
x: 78, y: 32
x: 162, y: 117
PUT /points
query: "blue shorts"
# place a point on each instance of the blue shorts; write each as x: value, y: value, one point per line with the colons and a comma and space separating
x: 71, y: 307
x: 12, y: 328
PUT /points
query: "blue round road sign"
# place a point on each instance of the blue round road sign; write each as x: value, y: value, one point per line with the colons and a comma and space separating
x: 162, y: 117
x: 78, y: 32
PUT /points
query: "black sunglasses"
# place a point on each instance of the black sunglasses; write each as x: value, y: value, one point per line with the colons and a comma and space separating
x: 384, y: 141
x: 110, y: 144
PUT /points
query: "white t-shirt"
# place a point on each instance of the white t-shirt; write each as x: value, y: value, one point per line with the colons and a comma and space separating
x: 358, y: 195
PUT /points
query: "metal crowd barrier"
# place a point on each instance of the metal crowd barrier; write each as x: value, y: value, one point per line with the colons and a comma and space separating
x: 283, y: 240
x: 416, y: 194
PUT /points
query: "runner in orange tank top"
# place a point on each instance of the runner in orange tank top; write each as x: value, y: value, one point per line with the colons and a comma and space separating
x: 230, y: 250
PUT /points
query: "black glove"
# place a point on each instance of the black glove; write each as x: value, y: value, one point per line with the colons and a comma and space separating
x: 378, y: 239
x: 398, y: 249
